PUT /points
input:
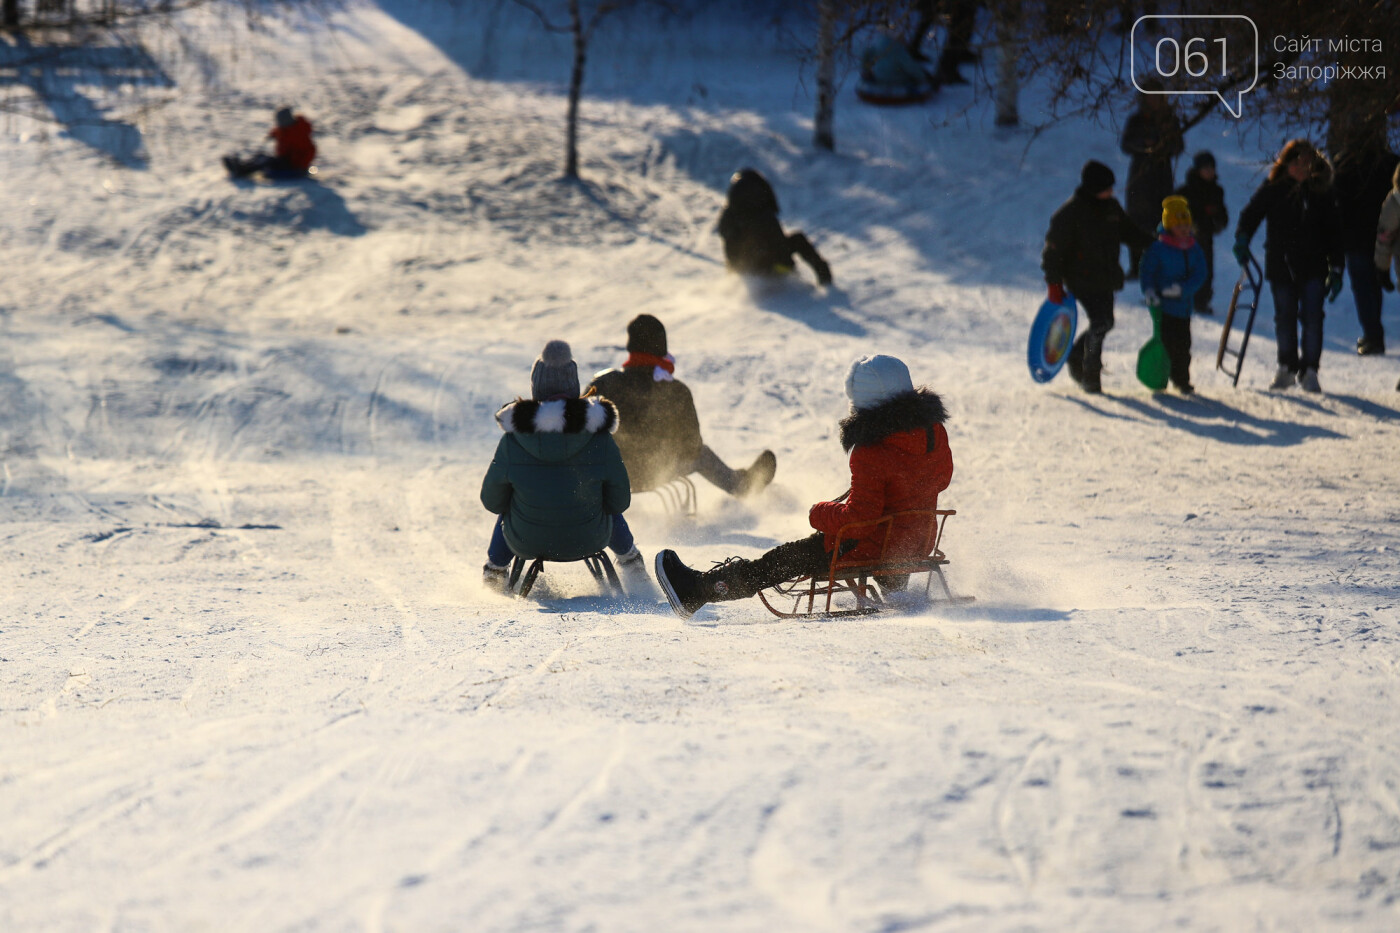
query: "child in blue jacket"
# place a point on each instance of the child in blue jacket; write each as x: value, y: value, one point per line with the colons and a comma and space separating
x: 1173, y: 269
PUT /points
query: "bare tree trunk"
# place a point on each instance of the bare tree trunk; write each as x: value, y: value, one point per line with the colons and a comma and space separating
x: 575, y: 90
x: 1008, y: 16
x: 10, y: 15
x: 824, y: 136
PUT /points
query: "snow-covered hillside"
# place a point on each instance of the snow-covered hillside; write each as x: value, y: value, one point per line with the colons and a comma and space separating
x: 249, y: 679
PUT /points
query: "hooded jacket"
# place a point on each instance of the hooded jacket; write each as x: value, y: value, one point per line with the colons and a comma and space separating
x: 1083, y: 244
x: 1304, y: 236
x: 557, y: 477
x: 660, y: 432
x: 899, y: 460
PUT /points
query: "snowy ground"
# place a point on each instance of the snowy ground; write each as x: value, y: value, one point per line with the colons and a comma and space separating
x: 248, y: 678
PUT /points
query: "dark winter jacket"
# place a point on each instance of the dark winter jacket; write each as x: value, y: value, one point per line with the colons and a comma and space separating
x: 1152, y: 139
x: 660, y: 431
x: 1083, y: 244
x: 1165, y: 264
x: 754, y: 242
x: 1207, y: 202
x: 899, y: 461
x: 557, y: 477
x: 1304, y: 236
x: 294, y: 143
x: 1362, y: 184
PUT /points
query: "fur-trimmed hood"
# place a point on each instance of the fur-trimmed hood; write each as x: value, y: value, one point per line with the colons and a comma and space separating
x: 558, y: 416
x: 907, y: 411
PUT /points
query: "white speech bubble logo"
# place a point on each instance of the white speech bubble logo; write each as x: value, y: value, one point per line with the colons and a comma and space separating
x: 1235, y: 111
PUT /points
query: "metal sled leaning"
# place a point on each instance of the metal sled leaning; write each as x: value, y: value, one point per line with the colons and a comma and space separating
x: 857, y: 582
x: 525, y: 570
x: 1254, y: 276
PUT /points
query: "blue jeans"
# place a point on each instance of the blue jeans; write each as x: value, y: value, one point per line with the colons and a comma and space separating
x: 1294, y: 305
x: 500, y: 554
x: 1366, y: 290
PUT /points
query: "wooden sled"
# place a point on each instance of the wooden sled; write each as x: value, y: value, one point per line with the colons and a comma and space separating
x: 857, y: 582
x: 525, y: 570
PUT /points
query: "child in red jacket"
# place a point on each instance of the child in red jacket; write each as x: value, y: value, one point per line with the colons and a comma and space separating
x: 899, y: 460
x: 294, y: 152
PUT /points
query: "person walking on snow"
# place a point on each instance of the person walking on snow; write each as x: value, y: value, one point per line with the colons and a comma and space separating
x: 1152, y: 137
x: 754, y: 241
x: 1387, y: 252
x: 1206, y: 201
x: 1173, y: 270
x: 294, y: 154
x: 1303, y: 256
x: 1081, y: 253
x: 660, y: 431
x: 899, y: 460
x: 557, y: 480
x: 1364, y: 174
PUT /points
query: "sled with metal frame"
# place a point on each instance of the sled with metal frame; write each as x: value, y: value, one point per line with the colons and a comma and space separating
x: 859, y: 580
x: 677, y: 496
x: 525, y: 570
x: 1254, y: 276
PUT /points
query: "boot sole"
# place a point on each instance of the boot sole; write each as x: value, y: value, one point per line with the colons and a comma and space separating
x: 666, y: 587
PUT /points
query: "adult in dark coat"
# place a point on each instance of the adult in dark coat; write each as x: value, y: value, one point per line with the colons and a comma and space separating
x: 1081, y: 255
x: 1206, y: 200
x: 1364, y: 173
x: 899, y: 460
x: 660, y: 432
x: 754, y: 241
x: 1303, y: 255
x: 1152, y: 137
x: 557, y: 479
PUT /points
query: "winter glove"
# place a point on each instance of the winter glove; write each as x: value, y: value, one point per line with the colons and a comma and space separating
x: 1152, y: 298
x: 1384, y: 276
x: 1056, y: 293
x: 1334, y: 284
x: 1172, y: 291
x: 1241, y: 250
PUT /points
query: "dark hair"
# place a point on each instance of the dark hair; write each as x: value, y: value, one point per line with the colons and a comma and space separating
x: 1292, y: 151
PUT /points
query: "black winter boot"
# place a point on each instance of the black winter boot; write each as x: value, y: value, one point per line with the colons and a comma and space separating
x: 756, y: 477
x: 687, y: 589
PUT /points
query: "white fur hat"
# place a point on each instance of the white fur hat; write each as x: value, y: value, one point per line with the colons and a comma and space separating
x: 873, y: 380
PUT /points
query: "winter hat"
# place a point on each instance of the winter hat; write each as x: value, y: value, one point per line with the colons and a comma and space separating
x: 1096, y: 177
x: 1203, y: 159
x: 645, y: 334
x: 555, y: 372
x: 284, y: 117
x: 873, y: 380
x: 1175, y: 212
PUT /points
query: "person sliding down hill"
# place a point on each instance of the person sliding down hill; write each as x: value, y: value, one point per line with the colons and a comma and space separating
x: 754, y: 242
x: 659, y: 430
x: 899, y: 460
x: 293, y: 156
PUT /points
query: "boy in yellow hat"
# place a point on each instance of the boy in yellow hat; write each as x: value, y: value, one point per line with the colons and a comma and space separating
x: 1173, y: 269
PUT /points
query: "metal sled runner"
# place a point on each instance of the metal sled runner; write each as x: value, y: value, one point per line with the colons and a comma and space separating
x: 522, y: 577
x: 859, y: 581
x: 1254, y: 276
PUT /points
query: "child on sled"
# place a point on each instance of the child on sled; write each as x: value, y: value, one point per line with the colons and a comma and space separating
x: 899, y: 460
x: 292, y: 157
x: 754, y: 241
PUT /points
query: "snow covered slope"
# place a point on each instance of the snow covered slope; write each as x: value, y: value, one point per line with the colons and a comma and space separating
x: 249, y: 680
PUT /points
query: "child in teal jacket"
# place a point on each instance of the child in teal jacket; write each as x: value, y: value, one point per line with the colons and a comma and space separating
x: 1172, y: 270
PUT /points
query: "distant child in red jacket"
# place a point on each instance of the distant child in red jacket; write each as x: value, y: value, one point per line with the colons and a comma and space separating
x: 899, y: 460
x: 293, y: 156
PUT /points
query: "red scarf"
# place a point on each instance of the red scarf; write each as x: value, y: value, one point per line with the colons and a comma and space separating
x: 1180, y: 242
x: 647, y: 359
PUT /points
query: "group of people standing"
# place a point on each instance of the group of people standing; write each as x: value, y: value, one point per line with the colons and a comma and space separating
x: 1323, y: 226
